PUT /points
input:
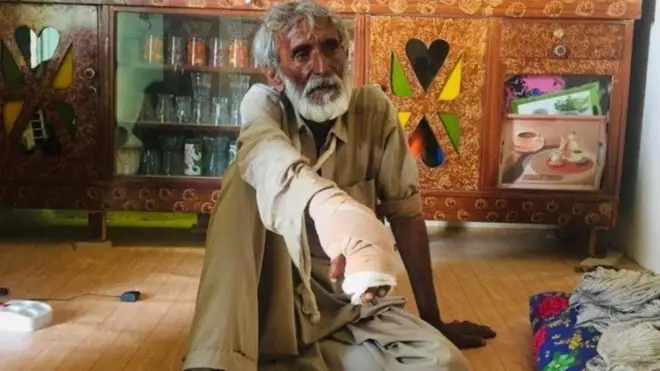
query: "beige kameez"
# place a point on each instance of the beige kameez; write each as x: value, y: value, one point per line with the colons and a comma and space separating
x: 254, y: 311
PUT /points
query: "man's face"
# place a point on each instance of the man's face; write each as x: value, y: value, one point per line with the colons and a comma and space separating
x: 313, y: 67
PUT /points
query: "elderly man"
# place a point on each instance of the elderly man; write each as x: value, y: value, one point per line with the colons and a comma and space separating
x: 268, y: 297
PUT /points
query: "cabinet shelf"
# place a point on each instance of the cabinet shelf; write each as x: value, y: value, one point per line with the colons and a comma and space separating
x: 577, y: 118
x: 174, y: 126
x: 190, y: 68
x: 161, y: 178
x: 166, y: 181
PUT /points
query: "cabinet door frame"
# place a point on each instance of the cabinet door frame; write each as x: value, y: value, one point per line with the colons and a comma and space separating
x: 109, y: 24
x: 497, y: 70
x: 426, y: 103
x: 178, y: 189
x: 82, y: 94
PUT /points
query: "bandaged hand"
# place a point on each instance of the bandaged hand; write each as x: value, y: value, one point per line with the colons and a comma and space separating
x: 346, y: 227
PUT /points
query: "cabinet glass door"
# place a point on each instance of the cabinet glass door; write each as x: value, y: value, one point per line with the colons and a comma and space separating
x: 180, y: 80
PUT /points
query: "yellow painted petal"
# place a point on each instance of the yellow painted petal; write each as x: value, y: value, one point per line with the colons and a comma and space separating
x: 64, y: 77
x: 403, y: 118
x: 453, y: 86
x: 10, y: 112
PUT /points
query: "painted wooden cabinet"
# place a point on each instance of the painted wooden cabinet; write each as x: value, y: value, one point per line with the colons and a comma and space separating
x: 511, y: 120
x: 435, y: 72
x: 52, y: 138
x: 515, y: 110
x: 178, y: 80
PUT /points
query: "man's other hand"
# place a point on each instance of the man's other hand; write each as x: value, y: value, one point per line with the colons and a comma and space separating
x: 465, y: 334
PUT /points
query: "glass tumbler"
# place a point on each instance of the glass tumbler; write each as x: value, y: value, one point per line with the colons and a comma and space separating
x: 182, y: 109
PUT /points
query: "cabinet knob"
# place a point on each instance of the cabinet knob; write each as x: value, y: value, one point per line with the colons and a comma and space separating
x: 92, y: 90
x: 89, y: 73
x: 560, y: 51
x: 559, y: 33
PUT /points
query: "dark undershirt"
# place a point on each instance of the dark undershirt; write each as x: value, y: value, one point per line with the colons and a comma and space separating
x: 320, y: 132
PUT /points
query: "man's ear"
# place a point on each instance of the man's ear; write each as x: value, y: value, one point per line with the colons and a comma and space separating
x: 274, y: 80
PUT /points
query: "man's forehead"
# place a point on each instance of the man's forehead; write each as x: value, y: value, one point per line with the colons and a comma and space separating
x: 303, y: 32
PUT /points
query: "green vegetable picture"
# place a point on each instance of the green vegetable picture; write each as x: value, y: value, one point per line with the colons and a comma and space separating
x: 570, y: 104
x: 584, y: 100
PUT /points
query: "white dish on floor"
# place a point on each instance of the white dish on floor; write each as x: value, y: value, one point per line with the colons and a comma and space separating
x: 25, y: 315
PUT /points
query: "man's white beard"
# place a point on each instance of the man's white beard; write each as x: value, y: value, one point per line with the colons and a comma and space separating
x: 333, y: 104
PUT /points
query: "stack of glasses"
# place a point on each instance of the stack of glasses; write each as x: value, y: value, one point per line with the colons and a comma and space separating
x: 238, y: 86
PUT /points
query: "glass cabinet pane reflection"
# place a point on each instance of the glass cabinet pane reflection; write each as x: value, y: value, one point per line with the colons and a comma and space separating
x: 179, y: 83
x: 180, y: 80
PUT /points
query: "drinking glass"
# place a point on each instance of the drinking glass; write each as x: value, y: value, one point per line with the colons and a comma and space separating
x: 220, y: 111
x: 182, y: 107
x: 164, y: 108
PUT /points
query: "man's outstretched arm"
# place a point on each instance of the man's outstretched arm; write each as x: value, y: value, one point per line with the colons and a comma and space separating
x: 267, y: 159
x: 287, y: 188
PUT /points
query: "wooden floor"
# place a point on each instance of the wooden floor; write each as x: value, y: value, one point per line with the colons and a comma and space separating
x: 480, y: 276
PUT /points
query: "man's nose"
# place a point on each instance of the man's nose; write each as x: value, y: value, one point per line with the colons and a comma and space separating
x: 319, y: 63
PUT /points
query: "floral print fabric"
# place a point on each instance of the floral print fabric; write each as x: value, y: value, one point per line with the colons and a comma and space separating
x: 558, y: 345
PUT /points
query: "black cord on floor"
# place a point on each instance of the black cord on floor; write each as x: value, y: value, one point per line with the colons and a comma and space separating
x: 126, y: 297
x: 75, y: 297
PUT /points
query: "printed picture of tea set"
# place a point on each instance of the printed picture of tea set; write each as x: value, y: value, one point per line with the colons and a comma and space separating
x: 568, y: 153
x: 553, y: 136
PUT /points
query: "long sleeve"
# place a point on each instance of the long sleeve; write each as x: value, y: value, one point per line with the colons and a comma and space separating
x: 282, y: 178
x: 267, y: 159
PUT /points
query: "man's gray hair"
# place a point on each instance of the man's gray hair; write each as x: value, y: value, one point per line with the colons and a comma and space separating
x: 282, y: 18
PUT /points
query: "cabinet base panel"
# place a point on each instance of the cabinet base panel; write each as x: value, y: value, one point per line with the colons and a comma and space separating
x: 594, y: 212
x: 96, y: 221
x: 563, y: 210
x: 555, y: 209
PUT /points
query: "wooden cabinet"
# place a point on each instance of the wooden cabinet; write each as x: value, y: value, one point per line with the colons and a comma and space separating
x: 52, y: 142
x: 435, y: 73
x: 512, y: 120
x: 179, y: 78
x: 515, y: 110
x: 565, y: 85
x: 523, y: 39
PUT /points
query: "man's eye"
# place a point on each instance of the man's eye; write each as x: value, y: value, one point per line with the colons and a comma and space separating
x: 332, y: 45
x: 302, y: 55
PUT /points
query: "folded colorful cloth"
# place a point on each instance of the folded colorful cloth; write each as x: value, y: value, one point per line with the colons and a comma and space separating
x: 557, y: 343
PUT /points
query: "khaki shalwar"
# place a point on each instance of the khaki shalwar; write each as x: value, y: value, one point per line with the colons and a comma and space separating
x: 265, y: 301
